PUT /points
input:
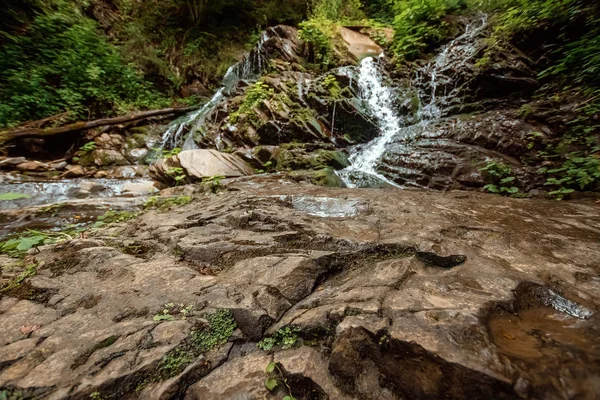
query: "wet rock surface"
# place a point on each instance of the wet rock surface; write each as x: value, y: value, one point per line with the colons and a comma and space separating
x: 391, y: 294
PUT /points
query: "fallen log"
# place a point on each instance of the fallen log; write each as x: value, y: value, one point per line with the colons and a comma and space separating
x: 19, y: 133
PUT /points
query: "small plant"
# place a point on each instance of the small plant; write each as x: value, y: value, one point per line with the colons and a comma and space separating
x: 319, y: 34
x: 30, y: 270
x: 89, y: 146
x: 254, y: 95
x: 213, y: 182
x: 331, y: 84
x: 178, y: 174
x: 172, y: 310
x: 501, y: 175
x: 96, y: 396
x: 174, y: 362
x: 115, y: 216
x: 221, y: 327
x: 169, y: 153
x: 166, y: 203
x: 578, y: 172
x: 285, y: 337
x: 276, y: 378
x: 17, y: 246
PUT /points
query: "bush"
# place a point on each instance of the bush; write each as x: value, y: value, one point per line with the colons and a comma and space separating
x: 63, y: 63
x: 319, y: 35
x: 419, y: 26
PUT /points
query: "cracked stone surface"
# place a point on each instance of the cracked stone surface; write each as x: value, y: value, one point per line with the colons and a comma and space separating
x: 405, y: 294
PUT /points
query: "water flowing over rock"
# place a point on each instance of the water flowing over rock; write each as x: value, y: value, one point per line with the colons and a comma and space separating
x: 426, y: 139
x: 281, y: 38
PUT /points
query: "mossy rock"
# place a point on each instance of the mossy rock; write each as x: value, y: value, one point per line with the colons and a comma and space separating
x: 299, y: 159
x: 323, y: 177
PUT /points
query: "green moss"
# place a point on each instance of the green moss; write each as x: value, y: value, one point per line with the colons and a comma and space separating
x: 286, y: 338
x: 296, y: 158
x: 166, y: 203
x: 323, y: 177
x: 221, y: 327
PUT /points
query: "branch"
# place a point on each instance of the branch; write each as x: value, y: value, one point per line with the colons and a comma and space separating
x: 19, y: 133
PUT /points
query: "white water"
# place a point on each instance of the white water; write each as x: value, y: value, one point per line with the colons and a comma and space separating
x: 440, y: 72
x: 379, y: 99
x: 182, y: 129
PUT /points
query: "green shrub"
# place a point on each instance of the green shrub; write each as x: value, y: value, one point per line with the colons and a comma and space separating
x: 319, y: 35
x: 419, y: 26
x: 63, y: 63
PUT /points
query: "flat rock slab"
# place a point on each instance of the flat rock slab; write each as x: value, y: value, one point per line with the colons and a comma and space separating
x: 204, y: 163
x: 391, y: 294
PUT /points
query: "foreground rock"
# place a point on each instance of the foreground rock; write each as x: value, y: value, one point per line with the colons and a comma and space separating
x: 393, y: 294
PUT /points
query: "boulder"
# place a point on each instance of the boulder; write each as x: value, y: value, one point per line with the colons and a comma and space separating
x: 198, y: 164
x: 359, y: 46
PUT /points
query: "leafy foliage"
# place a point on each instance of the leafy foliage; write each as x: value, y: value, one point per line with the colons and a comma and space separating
x: 419, y: 25
x: 276, y: 377
x: 576, y: 173
x: 19, y: 244
x: 319, y: 35
x: 221, y: 327
x: 61, y: 63
x: 254, y: 95
x: 285, y: 337
x: 500, y: 174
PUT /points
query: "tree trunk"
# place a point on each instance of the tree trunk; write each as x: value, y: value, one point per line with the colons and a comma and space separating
x: 24, y: 132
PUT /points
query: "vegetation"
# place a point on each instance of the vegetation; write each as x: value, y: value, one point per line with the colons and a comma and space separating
x: 285, y: 337
x: 221, y: 327
x: 501, y: 176
x: 276, y: 378
x: 90, y: 59
x: 63, y: 63
x: 254, y: 95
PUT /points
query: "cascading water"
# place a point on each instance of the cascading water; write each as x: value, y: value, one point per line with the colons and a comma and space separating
x: 379, y: 99
x: 248, y: 68
x: 434, y: 88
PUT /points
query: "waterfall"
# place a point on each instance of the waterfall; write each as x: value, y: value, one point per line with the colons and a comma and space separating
x: 379, y: 99
x: 181, y: 130
x: 434, y: 85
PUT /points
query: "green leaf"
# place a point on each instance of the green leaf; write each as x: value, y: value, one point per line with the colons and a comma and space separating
x: 270, y: 368
x: 507, y: 179
x: 270, y: 384
x: 27, y: 243
x: 289, y: 398
x: 491, y: 188
x: 13, y: 196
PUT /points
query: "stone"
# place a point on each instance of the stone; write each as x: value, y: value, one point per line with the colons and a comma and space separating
x: 105, y: 157
x: 73, y: 171
x: 59, y: 165
x: 361, y: 272
x: 359, y: 45
x: 33, y: 166
x: 199, y: 164
x: 206, y: 163
x: 138, y: 154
